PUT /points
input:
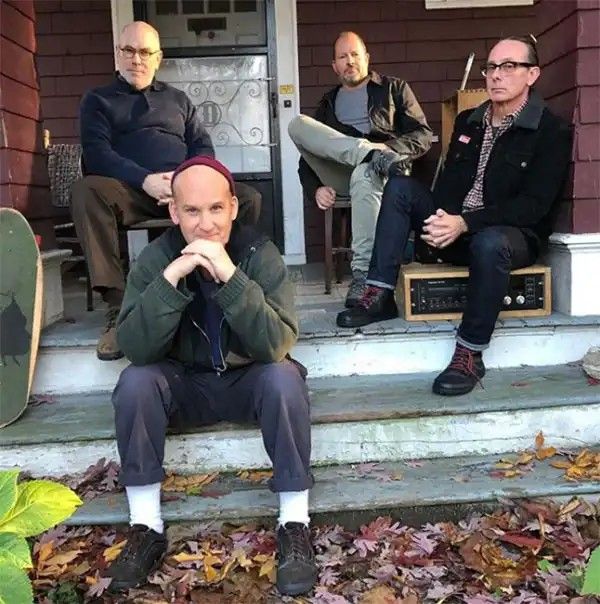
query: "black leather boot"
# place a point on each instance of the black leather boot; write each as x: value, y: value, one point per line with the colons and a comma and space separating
x: 376, y: 304
x: 464, y: 371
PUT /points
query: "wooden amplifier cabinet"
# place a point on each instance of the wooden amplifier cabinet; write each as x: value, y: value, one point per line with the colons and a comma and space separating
x: 430, y: 292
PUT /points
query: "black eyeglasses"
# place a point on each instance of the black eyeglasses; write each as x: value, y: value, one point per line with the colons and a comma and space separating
x: 506, y: 67
x: 144, y: 53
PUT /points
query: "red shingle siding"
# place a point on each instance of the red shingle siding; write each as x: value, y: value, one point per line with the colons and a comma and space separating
x: 426, y: 48
x: 74, y: 54
x: 569, y: 41
x: 23, y: 175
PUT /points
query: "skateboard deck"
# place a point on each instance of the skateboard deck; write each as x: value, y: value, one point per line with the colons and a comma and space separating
x: 20, y: 312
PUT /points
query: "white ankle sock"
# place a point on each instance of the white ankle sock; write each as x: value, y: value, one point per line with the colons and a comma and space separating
x: 144, y: 506
x: 293, y: 507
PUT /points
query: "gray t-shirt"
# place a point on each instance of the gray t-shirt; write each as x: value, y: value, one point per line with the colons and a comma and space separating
x: 352, y: 108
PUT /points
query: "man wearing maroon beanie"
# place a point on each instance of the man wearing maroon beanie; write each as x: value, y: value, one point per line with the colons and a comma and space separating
x: 208, y: 322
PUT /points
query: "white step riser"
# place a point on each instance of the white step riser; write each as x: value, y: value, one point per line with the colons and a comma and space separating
x: 342, y: 443
x: 72, y: 370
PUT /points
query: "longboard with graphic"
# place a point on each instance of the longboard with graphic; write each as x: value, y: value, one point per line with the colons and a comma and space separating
x: 20, y: 312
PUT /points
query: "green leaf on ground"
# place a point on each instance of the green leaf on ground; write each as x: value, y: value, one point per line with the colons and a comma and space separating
x: 591, y: 582
x: 15, y: 587
x: 545, y: 565
x: 14, y: 550
x: 8, y: 491
x: 40, y: 505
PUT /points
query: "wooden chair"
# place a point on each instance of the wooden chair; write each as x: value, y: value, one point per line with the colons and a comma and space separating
x: 64, y: 168
x: 335, y: 254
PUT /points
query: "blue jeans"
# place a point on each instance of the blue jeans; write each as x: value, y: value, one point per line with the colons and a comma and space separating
x: 490, y: 255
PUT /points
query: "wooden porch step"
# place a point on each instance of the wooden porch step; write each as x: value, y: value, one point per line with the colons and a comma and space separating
x: 412, y: 492
x: 355, y: 419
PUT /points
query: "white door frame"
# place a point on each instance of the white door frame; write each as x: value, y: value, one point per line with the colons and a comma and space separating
x: 288, y: 78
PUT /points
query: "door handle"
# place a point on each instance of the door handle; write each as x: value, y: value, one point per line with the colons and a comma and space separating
x: 274, y: 105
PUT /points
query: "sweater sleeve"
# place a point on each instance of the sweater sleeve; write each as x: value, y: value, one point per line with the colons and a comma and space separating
x: 150, y: 314
x: 99, y: 157
x: 259, y: 306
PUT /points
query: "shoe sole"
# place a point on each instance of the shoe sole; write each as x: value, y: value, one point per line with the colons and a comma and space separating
x: 451, y: 392
x: 115, y: 356
x: 367, y: 322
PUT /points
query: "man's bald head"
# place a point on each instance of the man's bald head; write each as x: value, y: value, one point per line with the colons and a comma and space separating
x: 138, y: 54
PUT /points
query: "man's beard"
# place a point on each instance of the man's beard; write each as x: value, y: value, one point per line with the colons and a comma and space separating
x: 355, y: 81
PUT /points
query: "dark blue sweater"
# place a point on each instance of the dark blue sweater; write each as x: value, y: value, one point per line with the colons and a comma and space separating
x: 127, y: 134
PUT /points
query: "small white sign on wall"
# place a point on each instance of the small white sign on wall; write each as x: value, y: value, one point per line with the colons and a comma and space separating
x: 436, y: 4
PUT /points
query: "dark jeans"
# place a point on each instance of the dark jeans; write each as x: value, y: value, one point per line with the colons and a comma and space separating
x: 149, y: 399
x: 490, y: 255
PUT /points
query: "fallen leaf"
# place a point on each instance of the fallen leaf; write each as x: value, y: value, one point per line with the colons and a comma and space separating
x: 382, y: 594
x: 539, y: 440
x: 545, y: 453
x: 111, y: 553
x: 185, y: 557
x: 256, y: 476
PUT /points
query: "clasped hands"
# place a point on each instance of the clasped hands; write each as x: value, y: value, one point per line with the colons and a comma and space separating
x: 159, y: 186
x: 209, y: 256
x: 441, y: 229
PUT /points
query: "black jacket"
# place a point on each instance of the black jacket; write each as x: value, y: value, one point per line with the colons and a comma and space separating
x: 396, y: 120
x: 524, y: 175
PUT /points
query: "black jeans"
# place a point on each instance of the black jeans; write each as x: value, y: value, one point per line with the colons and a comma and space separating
x: 490, y: 255
x: 149, y: 399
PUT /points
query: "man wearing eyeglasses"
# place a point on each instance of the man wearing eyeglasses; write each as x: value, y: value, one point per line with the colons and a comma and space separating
x: 491, y: 208
x: 134, y: 133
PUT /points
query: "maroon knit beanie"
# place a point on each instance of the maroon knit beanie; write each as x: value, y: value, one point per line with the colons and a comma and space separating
x: 205, y: 160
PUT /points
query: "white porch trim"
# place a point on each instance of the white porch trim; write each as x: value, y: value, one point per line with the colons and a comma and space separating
x: 288, y: 81
x: 574, y: 259
x: 289, y: 90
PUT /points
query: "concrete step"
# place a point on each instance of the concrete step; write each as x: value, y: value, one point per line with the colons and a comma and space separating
x: 403, y: 490
x: 389, y: 347
x: 355, y: 419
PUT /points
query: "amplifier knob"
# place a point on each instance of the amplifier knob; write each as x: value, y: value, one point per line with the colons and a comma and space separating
x: 506, y: 300
x: 520, y: 299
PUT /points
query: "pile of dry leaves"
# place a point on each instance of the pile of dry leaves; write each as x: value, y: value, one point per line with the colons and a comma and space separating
x: 525, y: 553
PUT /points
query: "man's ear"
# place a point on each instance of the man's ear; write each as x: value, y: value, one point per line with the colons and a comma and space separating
x: 236, y: 207
x: 534, y: 74
x: 173, y: 211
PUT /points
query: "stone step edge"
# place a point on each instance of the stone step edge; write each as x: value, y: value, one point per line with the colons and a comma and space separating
x: 354, y: 442
x: 341, y: 489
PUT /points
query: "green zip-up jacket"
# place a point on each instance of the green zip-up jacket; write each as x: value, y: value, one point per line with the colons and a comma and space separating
x: 259, y: 323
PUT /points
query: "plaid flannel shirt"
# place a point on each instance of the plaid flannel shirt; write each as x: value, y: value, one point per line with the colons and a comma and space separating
x: 474, y: 198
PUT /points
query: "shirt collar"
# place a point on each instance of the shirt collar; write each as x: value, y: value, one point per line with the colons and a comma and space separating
x: 509, y: 118
x: 125, y: 86
x: 528, y: 118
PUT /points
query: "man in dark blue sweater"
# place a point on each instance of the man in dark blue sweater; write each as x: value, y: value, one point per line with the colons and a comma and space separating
x: 134, y: 133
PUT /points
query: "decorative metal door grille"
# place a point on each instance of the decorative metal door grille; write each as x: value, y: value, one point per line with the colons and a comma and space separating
x: 232, y: 99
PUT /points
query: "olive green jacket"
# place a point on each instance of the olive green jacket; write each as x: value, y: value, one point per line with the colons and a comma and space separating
x: 259, y: 322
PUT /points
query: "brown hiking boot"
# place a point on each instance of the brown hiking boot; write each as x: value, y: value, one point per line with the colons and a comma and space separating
x: 107, y: 348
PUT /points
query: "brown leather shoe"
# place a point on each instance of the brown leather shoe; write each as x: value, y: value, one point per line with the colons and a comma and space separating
x: 107, y: 348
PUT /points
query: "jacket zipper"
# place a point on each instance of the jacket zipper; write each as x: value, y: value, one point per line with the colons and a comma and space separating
x: 218, y: 370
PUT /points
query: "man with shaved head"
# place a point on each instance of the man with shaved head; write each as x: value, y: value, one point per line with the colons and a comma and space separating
x: 134, y: 133
x: 208, y: 322
x: 365, y: 129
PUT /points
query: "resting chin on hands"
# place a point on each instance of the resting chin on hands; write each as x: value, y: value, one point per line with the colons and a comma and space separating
x: 441, y: 229
x: 159, y: 186
x: 325, y: 197
x: 202, y: 253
